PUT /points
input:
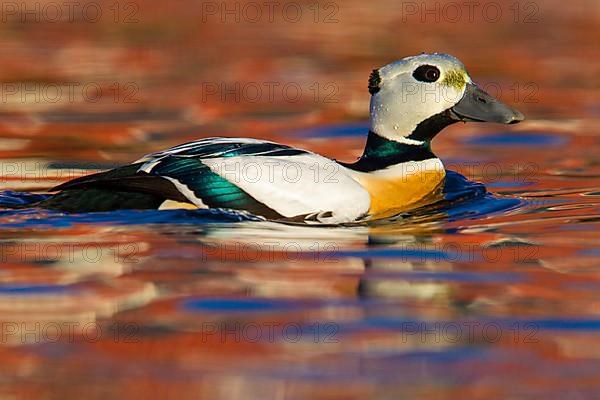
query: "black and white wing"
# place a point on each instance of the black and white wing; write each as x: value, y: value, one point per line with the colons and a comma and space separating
x: 261, y: 177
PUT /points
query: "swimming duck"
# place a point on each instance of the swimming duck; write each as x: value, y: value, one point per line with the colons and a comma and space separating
x: 412, y: 100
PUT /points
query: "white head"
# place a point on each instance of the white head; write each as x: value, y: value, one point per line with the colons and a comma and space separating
x: 416, y: 97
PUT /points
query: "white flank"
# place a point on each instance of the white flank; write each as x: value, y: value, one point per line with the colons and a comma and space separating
x: 297, y: 185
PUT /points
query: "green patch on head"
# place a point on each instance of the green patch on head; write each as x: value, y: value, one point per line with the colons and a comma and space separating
x: 455, y: 78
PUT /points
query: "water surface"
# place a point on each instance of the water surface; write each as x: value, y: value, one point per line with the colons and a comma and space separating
x: 492, y: 293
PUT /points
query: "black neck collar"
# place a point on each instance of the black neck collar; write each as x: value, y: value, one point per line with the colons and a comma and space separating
x: 381, y: 153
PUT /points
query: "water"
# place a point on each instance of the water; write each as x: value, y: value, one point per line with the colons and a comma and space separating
x: 487, y: 291
x: 490, y: 293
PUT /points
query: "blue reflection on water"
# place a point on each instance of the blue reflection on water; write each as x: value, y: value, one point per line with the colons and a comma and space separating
x: 52, y: 219
x: 33, y: 289
x: 462, y: 199
x: 517, y: 139
x: 412, y: 326
x: 235, y: 305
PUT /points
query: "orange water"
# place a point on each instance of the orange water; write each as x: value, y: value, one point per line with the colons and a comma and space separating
x: 500, y: 304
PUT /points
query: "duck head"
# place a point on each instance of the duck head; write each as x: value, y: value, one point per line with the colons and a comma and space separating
x: 413, y: 99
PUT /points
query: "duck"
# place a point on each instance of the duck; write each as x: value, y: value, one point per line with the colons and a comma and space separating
x: 412, y: 100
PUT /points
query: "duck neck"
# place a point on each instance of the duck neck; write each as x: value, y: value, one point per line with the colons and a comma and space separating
x: 378, y: 146
x: 381, y: 153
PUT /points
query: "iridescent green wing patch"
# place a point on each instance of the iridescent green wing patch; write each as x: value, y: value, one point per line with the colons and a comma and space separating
x: 210, y: 188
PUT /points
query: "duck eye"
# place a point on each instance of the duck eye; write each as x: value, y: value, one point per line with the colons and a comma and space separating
x: 426, y: 73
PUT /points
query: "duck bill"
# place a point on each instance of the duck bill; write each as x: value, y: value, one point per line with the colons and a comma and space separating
x: 478, y: 106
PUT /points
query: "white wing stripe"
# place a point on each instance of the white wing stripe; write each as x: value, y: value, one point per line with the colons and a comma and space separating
x: 176, y: 150
x: 184, y: 190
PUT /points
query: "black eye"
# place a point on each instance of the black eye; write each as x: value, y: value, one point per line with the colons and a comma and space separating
x: 426, y: 73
